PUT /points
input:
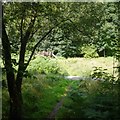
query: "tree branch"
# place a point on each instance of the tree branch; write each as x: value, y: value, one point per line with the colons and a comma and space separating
x: 37, y: 46
x: 32, y: 34
x: 42, y: 40
x: 24, y: 41
x: 21, y: 28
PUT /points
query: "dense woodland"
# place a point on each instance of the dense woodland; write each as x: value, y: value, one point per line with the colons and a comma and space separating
x: 82, y: 39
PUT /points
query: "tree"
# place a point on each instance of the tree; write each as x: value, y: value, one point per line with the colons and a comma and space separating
x: 21, y: 21
x: 107, y: 34
x: 79, y: 29
x: 25, y: 26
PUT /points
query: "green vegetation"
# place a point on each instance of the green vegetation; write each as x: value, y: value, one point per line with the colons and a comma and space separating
x: 42, y: 95
x: 42, y: 90
x: 89, y: 51
x: 44, y: 65
x: 91, y: 100
x: 79, y: 38
x: 85, y: 66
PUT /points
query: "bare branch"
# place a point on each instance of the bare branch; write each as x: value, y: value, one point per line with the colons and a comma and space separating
x: 21, y: 28
x: 46, y: 34
x: 24, y: 41
x: 37, y: 45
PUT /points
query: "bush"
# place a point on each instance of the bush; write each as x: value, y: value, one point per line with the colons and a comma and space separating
x: 92, y: 100
x: 89, y: 51
x: 44, y: 65
x: 100, y: 74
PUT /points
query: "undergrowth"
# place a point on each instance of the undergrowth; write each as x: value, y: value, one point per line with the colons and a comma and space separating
x: 92, y: 100
x: 44, y: 86
x: 40, y: 99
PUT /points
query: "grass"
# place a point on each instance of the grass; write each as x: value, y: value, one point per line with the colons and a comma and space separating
x: 43, y: 89
x: 45, y: 97
x: 90, y: 100
x: 84, y: 66
x: 40, y: 95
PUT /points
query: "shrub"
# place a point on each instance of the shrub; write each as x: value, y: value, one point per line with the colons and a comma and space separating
x: 44, y: 65
x: 101, y: 74
x: 92, y: 100
x: 89, y: 51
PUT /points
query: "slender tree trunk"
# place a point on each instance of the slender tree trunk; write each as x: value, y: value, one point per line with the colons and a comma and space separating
x: 118, y: 5
x: 104, y: 52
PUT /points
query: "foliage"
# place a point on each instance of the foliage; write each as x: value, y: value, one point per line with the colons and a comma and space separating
x: 45, y: 65
x: 101, y: 74
x: 67, y: 26
x: 89, y: 51
x: 91, y: 100
x: 108, y: 33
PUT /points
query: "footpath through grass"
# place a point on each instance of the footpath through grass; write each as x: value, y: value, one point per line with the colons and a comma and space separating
x: 43, y: 88
x: 40, y: 97
x: 90, y: 100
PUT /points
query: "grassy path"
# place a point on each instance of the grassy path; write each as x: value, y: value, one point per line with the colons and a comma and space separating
x: 56, y: 108
x: 59, y: 104
x: 54, y: 112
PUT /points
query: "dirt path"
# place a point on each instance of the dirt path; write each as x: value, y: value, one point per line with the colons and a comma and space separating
x: 58, y: 105
x: 56, y: 108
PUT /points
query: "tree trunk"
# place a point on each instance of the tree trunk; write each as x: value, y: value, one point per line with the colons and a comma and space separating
x: 104, y: 52
x: 15, y: 107
x: 15, y: 102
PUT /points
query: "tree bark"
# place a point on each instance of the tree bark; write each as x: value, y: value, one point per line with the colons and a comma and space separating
x: 15, y: 102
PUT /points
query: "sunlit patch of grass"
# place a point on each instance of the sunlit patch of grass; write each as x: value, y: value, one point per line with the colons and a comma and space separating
x: 51, y: 96
x: 84, y: 66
